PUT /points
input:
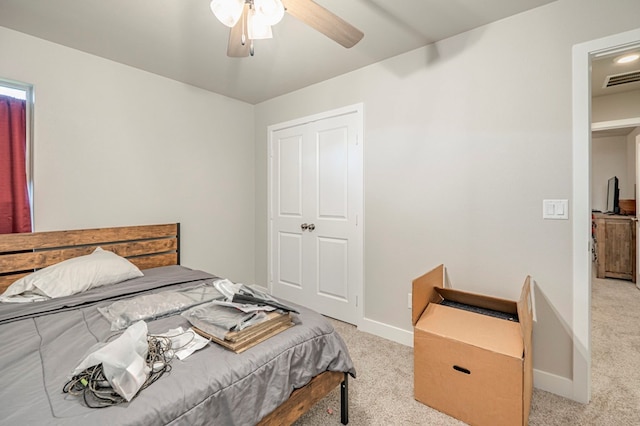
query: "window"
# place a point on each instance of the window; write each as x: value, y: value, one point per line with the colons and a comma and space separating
x: 16, y: 177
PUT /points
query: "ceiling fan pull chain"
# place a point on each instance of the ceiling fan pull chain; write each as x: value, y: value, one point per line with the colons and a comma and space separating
x: 251, y: 51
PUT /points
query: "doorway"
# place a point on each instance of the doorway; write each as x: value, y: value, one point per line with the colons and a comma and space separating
x: 582, y: 56
x: 316, y: 212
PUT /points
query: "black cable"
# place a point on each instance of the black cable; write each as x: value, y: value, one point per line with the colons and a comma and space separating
x: 96, y: 390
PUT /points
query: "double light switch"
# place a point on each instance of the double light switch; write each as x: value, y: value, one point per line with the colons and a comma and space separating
x: 555, y: 209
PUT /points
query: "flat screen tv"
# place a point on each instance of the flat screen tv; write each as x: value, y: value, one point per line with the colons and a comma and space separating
x: 613, y: 195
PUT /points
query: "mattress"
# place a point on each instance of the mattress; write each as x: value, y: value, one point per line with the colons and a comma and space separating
x: 43, y: 342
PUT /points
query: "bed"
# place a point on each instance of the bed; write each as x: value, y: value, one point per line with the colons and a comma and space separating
x: 272, y: 383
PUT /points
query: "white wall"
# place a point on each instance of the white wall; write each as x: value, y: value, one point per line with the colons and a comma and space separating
x: 609, y: 158
x: 463, y: 141
x: 621, y: 160
x: 633, y: 139
x: 631, y: 190
x: 616, y: 107
x: 118, y: 146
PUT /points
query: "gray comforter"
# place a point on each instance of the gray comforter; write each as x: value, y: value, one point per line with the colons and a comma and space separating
x: 43, y: 342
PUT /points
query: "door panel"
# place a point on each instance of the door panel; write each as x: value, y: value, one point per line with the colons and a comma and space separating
x: 316, y: 199
x: 290, y: 255
x: 333, y: 155
x: 287, y: 243
x: 290, y: 176
x: 333, y: 268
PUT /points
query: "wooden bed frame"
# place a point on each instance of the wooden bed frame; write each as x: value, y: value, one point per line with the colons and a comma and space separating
x: 146, y: 246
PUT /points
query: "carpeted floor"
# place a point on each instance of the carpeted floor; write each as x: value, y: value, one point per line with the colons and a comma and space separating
x: 382, y: 394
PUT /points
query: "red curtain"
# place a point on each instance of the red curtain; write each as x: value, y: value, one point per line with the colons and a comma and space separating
x: 15, y: 212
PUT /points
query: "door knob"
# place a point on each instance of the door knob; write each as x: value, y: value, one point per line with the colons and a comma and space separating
x: 311, y: 227
x: 304, y: 226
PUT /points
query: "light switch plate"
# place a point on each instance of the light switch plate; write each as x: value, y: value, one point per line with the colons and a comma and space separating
x: 555, y: 209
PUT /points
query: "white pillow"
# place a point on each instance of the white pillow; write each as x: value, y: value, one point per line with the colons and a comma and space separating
x: 75, y: 275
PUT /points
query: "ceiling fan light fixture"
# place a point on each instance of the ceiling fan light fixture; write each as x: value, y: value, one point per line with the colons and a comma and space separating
x: 257, y: 26
x: 258, y: 16
x: 272, y: 11
x: 227, y: 11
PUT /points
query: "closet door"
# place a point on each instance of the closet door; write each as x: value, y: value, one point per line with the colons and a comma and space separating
x: 316, y: 199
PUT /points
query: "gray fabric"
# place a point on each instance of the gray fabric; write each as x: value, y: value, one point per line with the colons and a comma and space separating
x: 213, y: 386
x: 156, y: 279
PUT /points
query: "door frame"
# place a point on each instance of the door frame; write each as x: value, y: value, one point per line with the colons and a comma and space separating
x: 357, y: 109
x: 636, y: 144
x: 581, y: 179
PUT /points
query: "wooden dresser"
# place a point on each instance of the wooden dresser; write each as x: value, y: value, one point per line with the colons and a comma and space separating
x: 615, y: 243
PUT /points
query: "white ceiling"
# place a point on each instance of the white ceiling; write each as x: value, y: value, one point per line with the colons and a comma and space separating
x: 182, y: 40
x: 605, y: 66
x: 601, y: 68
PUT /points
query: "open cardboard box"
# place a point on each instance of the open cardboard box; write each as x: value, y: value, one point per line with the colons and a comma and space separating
x: 473, y: 366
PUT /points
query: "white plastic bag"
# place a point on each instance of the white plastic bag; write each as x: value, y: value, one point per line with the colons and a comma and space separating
x: 148, y: 307
x: 184, y: 343
x: 123, y: 360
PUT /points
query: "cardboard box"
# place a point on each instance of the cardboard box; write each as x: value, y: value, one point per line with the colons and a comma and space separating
x: 471, y: 365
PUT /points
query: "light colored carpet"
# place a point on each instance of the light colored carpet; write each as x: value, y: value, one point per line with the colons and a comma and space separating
x: 382, y: 393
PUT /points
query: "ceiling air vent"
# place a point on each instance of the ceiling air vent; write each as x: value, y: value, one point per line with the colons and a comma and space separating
x: 618, y: 79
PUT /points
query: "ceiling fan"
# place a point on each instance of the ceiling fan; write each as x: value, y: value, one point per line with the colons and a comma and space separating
x: 252, y: 20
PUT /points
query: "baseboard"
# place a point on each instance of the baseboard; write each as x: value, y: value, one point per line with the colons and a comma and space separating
x: 376, y: 328
x: 542, y: 380
x: 552, y: 383
x: 386, y: 331
x: 260, y: 288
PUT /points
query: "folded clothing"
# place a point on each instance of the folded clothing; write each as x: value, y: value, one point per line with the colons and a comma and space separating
x: 219, y: 319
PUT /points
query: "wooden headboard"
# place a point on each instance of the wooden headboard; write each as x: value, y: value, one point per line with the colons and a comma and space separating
x: 146, y: 246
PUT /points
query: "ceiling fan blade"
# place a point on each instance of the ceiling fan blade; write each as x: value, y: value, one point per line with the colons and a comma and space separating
x: 236, y: 49
x: 321, y: 19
